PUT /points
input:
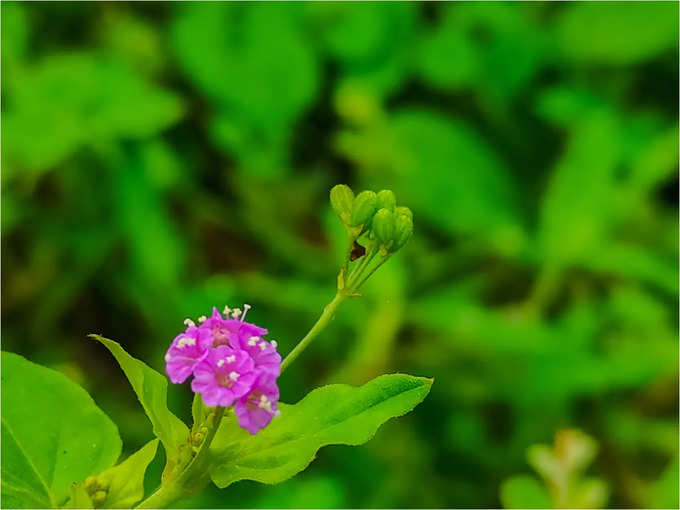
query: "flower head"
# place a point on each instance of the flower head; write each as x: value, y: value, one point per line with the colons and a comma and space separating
x: 185, y: 352
x: 255, y: 410
x: 224, y: 375
x: 232, y: 364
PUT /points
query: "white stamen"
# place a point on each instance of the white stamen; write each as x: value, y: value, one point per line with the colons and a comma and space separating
x: 184, y: 341
x: 263, y: 345
x: 236, y: 312
x: 230, y: 359
x: 252, y: 340
x: 220, y: 362
x: 226, y: 311
x: 265, y: 404
x: 202, y: 319
x: 245, y: 311
x: 189, y: 323
x: 233, y: 376
x: 274, y: 344
x: 167, y: 357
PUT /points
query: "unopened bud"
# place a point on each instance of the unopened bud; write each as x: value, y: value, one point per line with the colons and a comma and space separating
x: 99, y: 497
x: 89, y: 483
x: 403, y: 230
x: 363, y: 208
x: 383, y: 226
x: 403, y: 210
x: 341, y: 201
x: 387, y: 200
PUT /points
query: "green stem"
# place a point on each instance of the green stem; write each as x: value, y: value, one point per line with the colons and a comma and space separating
x: 320, y: 324
x: 348, y: 253
x: 163, y: 497
x: 356, y: 274
x: 356, y: 285
x: 193, y: 474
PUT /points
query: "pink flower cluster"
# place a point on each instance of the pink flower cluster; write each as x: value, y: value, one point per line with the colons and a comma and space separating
x: 232, y: 365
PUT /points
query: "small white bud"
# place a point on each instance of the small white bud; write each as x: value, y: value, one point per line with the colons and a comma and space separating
x: 189, y: 323
x: 274, y: 344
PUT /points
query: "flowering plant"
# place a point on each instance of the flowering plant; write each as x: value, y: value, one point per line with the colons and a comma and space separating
x: 240, y: 429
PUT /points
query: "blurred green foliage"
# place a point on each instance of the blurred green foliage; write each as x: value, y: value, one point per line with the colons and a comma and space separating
x: 160, y: 158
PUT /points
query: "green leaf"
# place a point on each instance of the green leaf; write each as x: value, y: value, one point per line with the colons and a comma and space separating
x: 151, y: 389
x: 372, y: 41
x: 125, y: 481
x: 664, y: 491
x: 334, y: 414
x: 617, y: 32
x: 71, y: 100
x: 79, y: 496
x: 226, y: 51
x: 53, y: 434
x: 15, y: 37
x: 576, y: 214
x: 524, y: 492
x: 449, y: 174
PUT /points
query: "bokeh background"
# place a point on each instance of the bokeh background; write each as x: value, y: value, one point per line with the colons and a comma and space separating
x: 162, y: 158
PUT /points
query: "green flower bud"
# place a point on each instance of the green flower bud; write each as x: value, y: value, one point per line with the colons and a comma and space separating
x: 387, y: 200
x: 341, y: 201
x: 197, y: 438
x: 383, y: 226
x: 403, y: 230
x: 89, y: 483
x: 99, y: 497
x: 363, y: 208
x: 403, y: 210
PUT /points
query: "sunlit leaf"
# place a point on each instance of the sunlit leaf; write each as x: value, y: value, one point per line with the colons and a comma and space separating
x: 151, y: 389
x: 53, y: 435
x: 335, y: 414
x: 125, y: 481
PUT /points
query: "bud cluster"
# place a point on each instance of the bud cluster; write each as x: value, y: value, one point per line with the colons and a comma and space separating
x: 375, y: 214
x: 387, y: 227
x: 97, y: 489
